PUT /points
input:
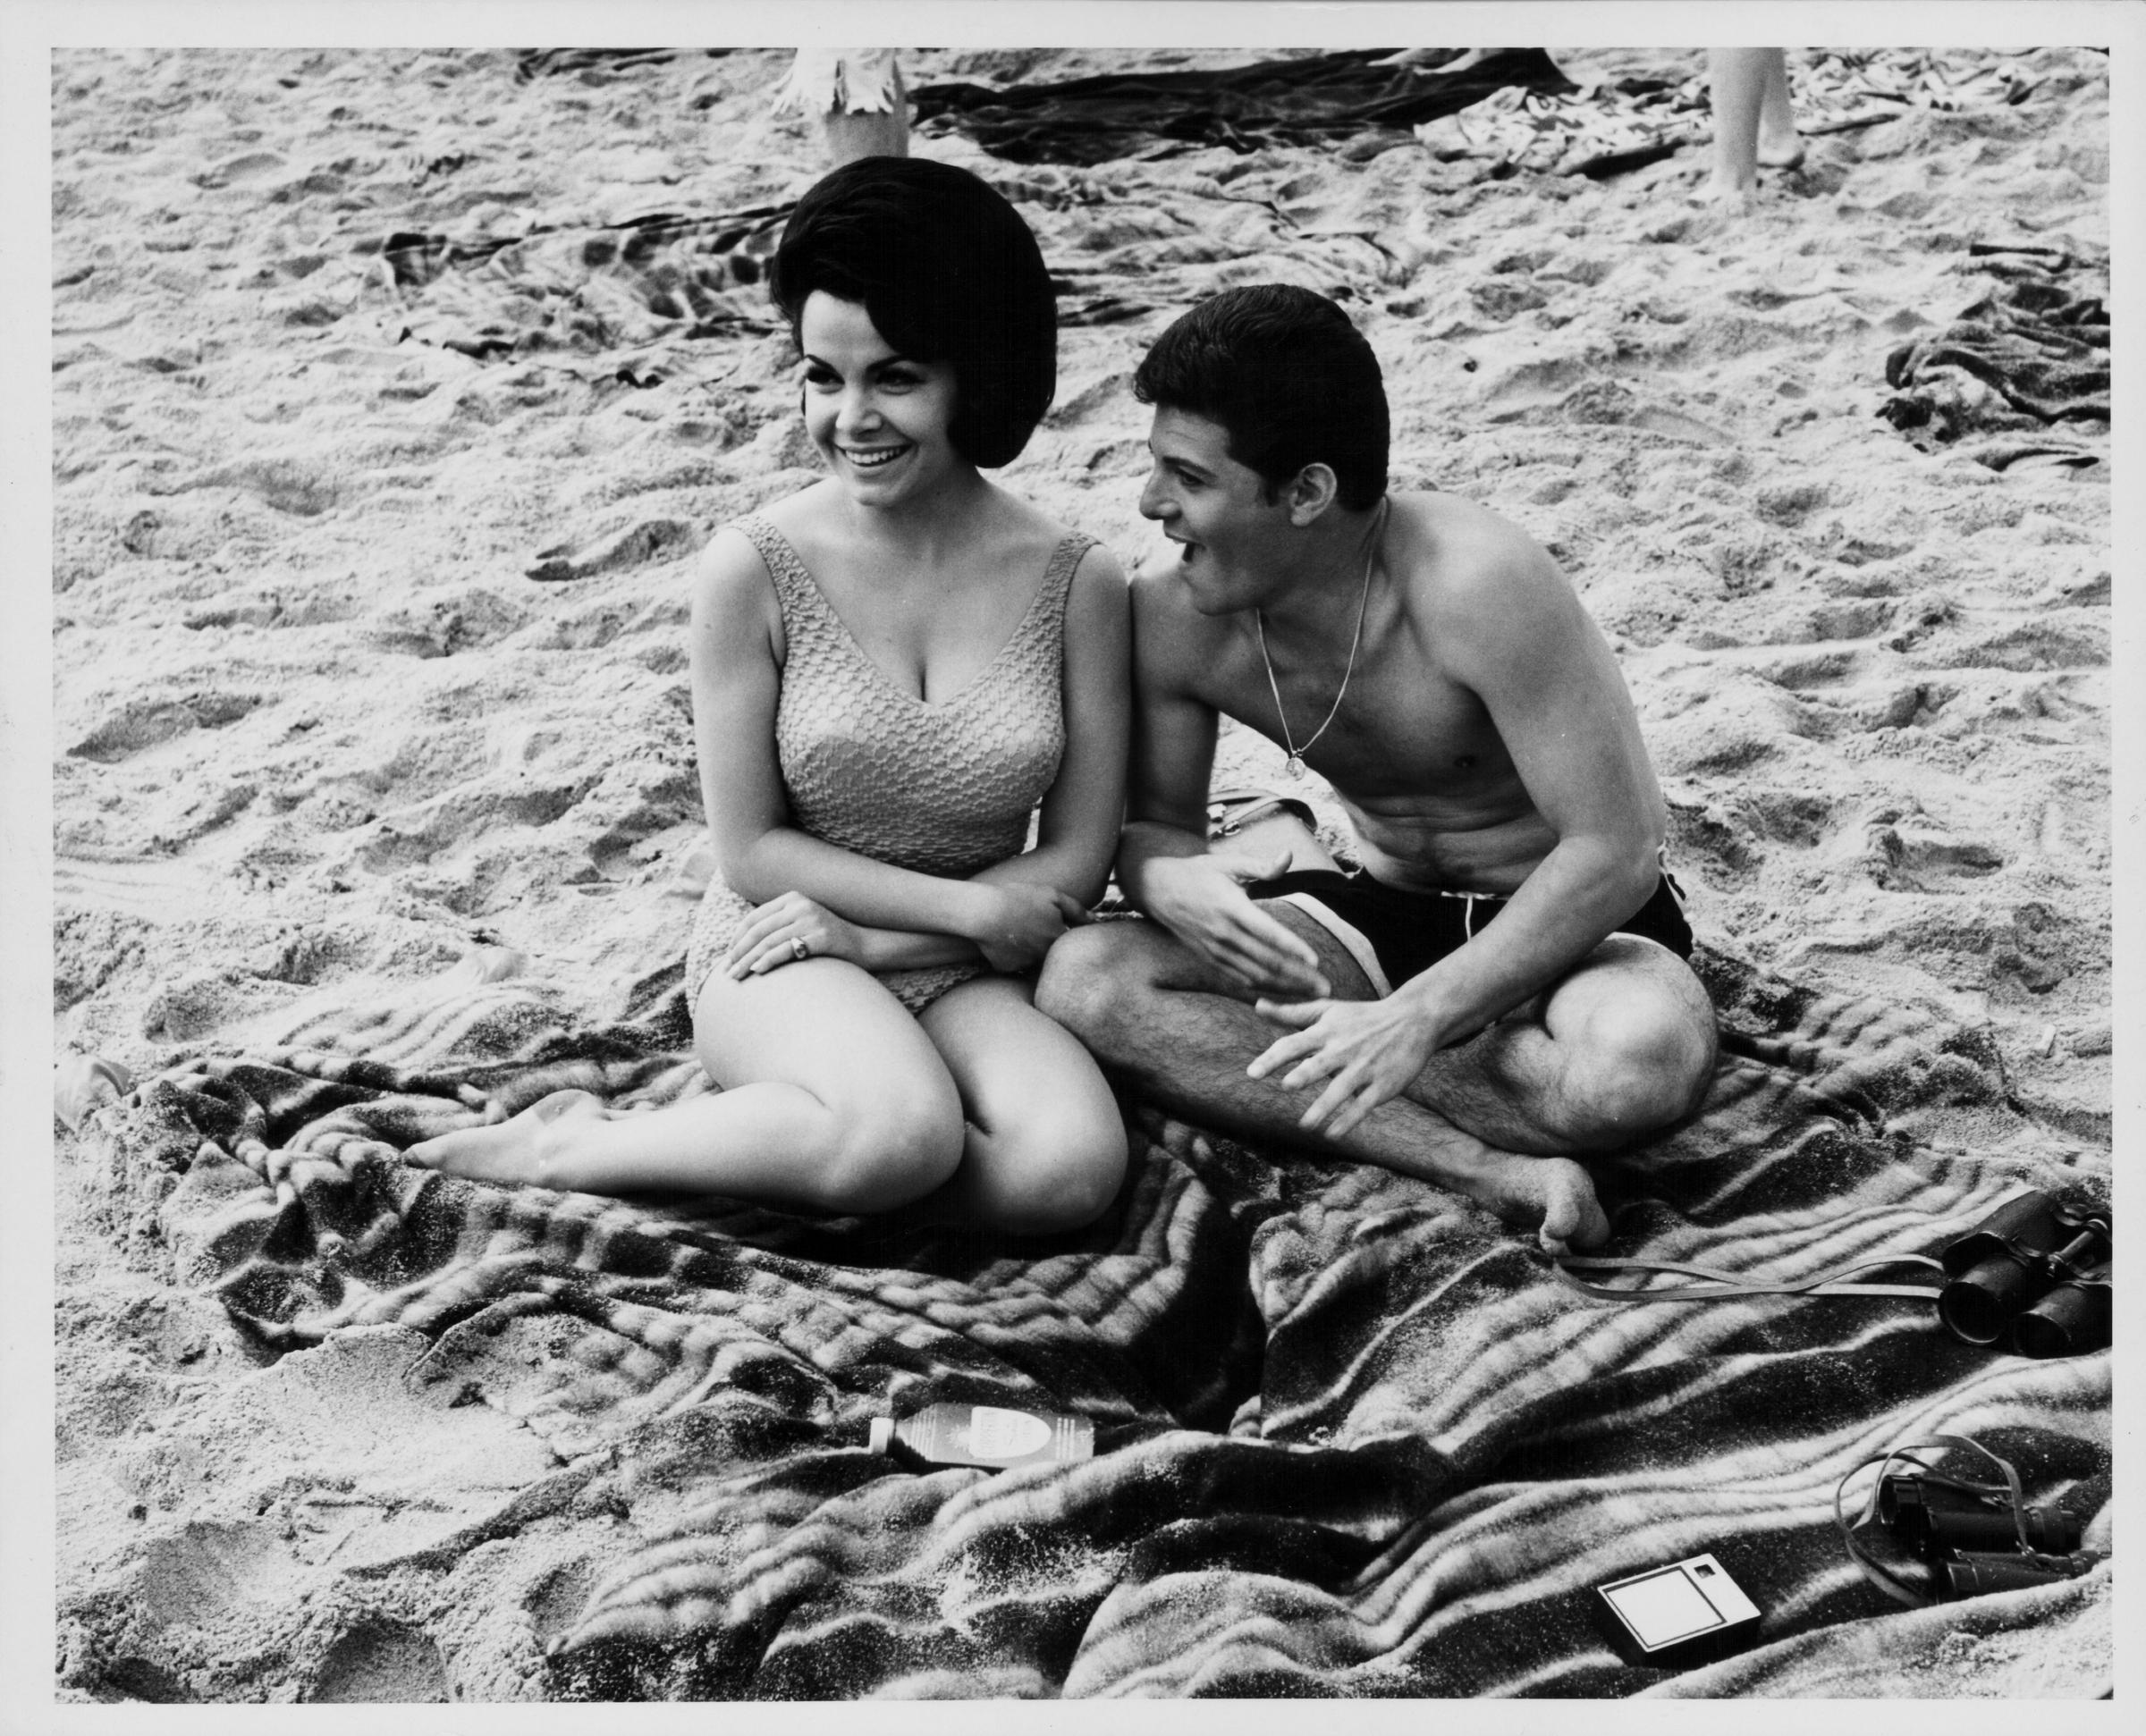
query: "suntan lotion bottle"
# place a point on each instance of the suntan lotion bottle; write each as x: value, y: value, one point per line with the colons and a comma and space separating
x: 986, y: 1434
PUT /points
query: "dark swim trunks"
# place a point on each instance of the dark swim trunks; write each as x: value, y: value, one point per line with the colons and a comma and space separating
x: 1404, y: 933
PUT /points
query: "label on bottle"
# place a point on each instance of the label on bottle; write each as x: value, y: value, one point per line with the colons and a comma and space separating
x: 999, y: 1434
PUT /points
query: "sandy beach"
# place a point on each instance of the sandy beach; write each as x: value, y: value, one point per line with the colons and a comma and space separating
x: 393, y: 392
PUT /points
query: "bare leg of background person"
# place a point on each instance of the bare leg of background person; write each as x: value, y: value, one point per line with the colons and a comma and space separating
x: 1753, y: 121
x: 856, y: 95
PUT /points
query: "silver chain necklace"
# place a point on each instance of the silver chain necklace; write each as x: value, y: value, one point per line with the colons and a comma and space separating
x: 1294, y: 765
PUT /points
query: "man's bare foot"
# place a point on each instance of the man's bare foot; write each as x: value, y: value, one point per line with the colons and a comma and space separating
x: 1554, y: 1196
x: 1572, y: 1216
x: 519, y: 1149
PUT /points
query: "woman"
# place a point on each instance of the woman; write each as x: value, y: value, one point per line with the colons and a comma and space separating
x: 890, y: 670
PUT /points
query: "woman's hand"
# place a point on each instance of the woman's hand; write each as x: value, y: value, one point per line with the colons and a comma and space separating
x: 787, y: 930
x: 1017, y: 922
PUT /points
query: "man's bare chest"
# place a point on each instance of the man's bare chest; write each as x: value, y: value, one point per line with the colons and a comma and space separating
x: 1399, y: 727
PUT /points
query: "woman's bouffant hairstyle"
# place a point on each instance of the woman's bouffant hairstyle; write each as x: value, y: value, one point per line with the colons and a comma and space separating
x: 1289, y: 378
x: 948, y: 273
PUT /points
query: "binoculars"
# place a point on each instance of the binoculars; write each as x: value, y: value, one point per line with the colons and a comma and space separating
x: 1975, y: 1542
x: 2033, y: 1274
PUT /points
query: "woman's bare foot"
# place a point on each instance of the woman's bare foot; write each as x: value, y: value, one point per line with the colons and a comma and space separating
x: 519, y: 1150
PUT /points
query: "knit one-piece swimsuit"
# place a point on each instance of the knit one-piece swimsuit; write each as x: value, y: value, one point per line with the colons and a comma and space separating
x: 943, y: 789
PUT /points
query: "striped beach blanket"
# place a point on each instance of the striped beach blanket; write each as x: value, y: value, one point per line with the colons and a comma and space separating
x: 1355, y: 1438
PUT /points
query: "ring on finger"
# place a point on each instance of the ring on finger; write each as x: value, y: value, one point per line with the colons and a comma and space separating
x: 798, y: 949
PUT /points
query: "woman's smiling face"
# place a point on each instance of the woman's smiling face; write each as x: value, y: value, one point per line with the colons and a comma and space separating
x: 879, y: 419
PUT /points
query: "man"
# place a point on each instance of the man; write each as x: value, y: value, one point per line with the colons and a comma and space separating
x: 1503, y: 985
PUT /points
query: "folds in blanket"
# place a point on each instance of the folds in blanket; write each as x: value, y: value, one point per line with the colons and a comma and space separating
x: 840, y: 1577
x: 1355, y: 1438
x: 282, y: 1187
x: 1870, y: 1065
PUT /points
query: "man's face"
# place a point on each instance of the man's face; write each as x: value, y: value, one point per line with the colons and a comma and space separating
x: 1230, y: 537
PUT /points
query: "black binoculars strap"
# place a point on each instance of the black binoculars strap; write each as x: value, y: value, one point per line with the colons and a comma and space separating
x: 1883, y: 1577
x: 1717, y: 1285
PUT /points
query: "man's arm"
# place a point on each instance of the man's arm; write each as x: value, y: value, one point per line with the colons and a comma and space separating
x: 1510, y: 627
x: 1164, y: 864
x: 1516, y: 633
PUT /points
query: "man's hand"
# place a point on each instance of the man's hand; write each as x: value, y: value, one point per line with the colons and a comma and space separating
x: 1368, y: 1050
x: 1018, y: 922
x: 1200, y: 899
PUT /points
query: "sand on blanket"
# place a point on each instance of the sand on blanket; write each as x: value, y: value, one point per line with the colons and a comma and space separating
x: 392, y: 393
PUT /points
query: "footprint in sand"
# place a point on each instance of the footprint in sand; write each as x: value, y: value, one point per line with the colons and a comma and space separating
x: 381, y: 1661
x: 469, y: 621
x: 318, y: 609
x: 250, y: 165
x: 461, y: 816
x: 637, y: 545
x: 1739, y: 833
x: 284, y: 484
x: 191, y: 1007
x: 1789, y: 504
x: 1919, y: 861
x: 212, y: 1568
x: 629, y: 849
x: 555, y: 1602
x: 1825, y: 668
x: 1859, y: 618
x: 2035, y: 646
x: 143, y: 723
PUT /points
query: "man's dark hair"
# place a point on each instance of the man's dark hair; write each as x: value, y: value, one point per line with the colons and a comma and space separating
x: 948, y: 273
x: 1290, y: 379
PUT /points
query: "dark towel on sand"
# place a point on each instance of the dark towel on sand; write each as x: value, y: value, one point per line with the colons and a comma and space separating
x: 1282, y: 102
x: 1355, y: 1438
x: 2031, y: 355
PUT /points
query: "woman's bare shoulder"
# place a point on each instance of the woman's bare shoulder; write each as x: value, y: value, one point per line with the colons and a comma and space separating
x: 803, y: 518
x: 729, y: 560
x: 1022, y: 535
x: 733, y: 590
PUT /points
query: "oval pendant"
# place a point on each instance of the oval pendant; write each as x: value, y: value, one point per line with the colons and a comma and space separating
x: 1294, y: 765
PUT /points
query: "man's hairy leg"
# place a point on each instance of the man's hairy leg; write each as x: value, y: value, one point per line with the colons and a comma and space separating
x: 1184, y: 1033
x: 1619, y: 1050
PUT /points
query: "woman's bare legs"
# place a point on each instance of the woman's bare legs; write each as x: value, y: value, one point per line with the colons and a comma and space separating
x: 1753, y: 121
x: 1046, y: 1146
x: 835, y: 1101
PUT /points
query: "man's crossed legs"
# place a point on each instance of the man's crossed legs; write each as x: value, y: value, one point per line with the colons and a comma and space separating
x: 1621, y: 1047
